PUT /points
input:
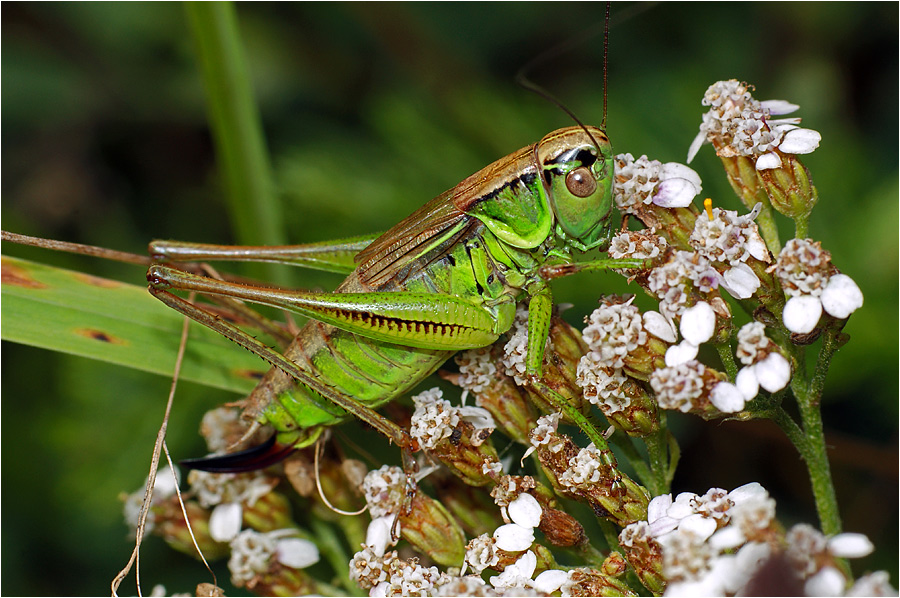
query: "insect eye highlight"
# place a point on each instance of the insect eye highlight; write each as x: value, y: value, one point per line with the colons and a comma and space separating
x: 580, y: 182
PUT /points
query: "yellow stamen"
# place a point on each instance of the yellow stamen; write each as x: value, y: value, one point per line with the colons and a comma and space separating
x: 707, y: 203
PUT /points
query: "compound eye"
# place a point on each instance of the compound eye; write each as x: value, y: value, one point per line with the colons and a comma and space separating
x: 580, y: 182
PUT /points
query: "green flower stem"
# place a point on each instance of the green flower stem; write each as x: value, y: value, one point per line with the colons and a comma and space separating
x: 810, y: 439
x: 635, y: 459
x: 801, y: 226
x: 332, y: 549
x: 657, y: 445
x: 727, y: 358
x: 237, y: 129
x: 769, y: 229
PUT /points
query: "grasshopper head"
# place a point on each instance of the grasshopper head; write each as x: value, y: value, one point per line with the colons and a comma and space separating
x: 577, y: 174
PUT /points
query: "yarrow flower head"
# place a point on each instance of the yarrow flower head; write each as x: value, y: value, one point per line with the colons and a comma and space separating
x: 739, y: 125
x: 645, y: 181
x: 812, y: 284
x: 228, y: 494
x: 253, y: 554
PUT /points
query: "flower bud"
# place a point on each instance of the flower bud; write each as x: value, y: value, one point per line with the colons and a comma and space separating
x: 432, y: 529
x: 789, y: 187
x: 271, y: 511
x: 585, y: 581
x: 561, y: 529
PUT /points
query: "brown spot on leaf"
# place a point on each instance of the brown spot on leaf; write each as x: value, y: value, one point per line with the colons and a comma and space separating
x: 18, y: 276
x: 97, y: 281
x: 99, y: 335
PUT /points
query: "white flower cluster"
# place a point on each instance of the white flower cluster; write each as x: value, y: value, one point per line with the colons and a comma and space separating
x: 227, y: 494
x: 476, y: 370
x: 389, y: 575
x: 672, y: 282
x: 645, y: 181
x: 812, y: 285
x: 612, y: 332
x: 713, y: 545
x: 637, y: 244
x: 435, y: 419
x: 678, y: 387
x: 384, y: 490
x: 545, y: 433
x: 764, y: 366
x: 588, y: 467
x: 740, y: 125
x: 730, y: 239
x: 252, y: 553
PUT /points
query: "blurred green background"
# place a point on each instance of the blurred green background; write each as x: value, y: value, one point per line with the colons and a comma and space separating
x: 369, y: 111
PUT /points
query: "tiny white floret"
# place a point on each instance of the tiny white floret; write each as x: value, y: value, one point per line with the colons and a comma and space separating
x: 841, y: 296
x: 513, y: 537
x: 773, y: 372
x: 698, y: 323
x: 802, y: 313
x: 850, y: 546
x: 681, y: 353
x: 657, y: 325
x: 827, y: 582
x: 296, y: 552
x: 727, y: 397
x: 525, y: 511
x: 747, y: 383
x: 225, y: 521
x: 550, y: 580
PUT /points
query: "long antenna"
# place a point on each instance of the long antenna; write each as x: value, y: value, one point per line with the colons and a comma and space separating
x: 605, y: 65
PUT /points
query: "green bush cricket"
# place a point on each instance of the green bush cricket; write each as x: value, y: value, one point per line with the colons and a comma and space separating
x: 447, y: 278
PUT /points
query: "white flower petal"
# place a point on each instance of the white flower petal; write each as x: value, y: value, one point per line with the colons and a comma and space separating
x: 656, y: 324
x: 676, y: 170
x: 297, y: 553
x: 696, y: 144
x: 225, y: 521
x: 698, y: 323
x: 740, y: 281
x: 662, y: 526
x: 841, y: 296
x: 827, y: 582
x: 747, y: 383
x: 697, y: 524
x: 525, y: 510
x: 778, y: 107
x: 550, y: 580
x: 658, y: 507
x: 683, y: 352
x: 802, y: 313
x: 513, y: 537
x: 768, y: 161
x: 726, y: 538
x: 478, y: 417
x: 850, y: 546
x: 752, y: 491
x: 683, y: 505
x: 378, y: 534
x: 726, y: 397
x: 800, y: 141
x: 674, y: 193
x: 773, y: 372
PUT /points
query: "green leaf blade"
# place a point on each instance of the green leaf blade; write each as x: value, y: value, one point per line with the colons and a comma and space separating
x: 71, y: 312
